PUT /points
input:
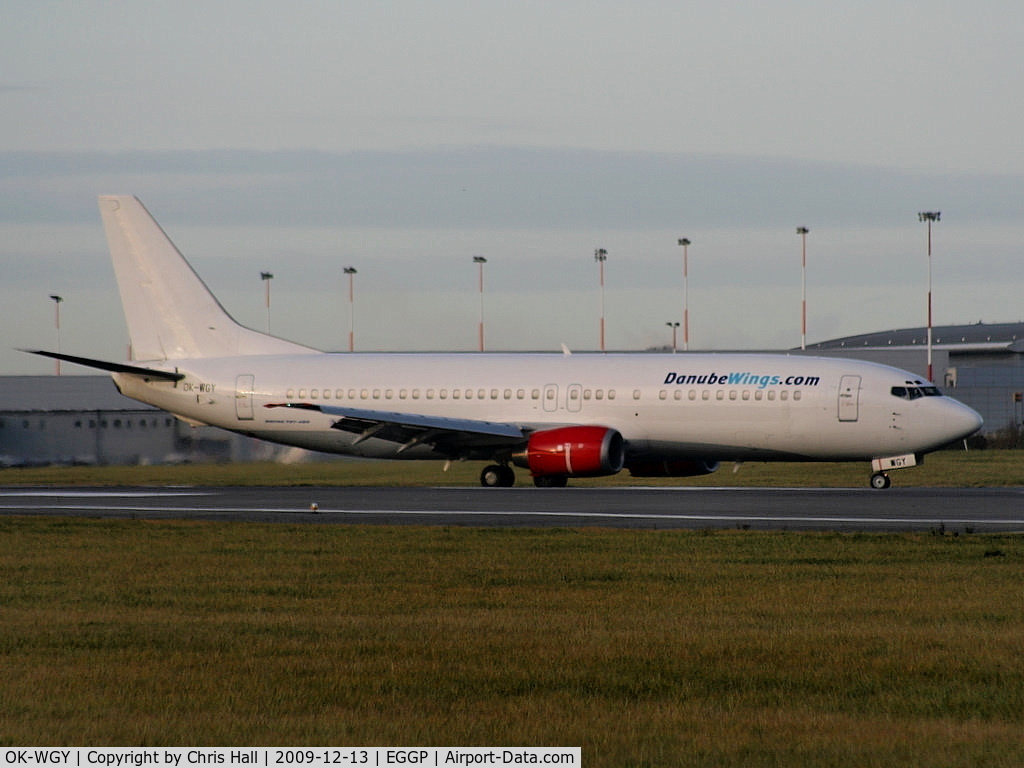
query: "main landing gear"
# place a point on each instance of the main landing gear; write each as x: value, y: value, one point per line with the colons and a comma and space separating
x: 497, y: 476
x: 502, y: 476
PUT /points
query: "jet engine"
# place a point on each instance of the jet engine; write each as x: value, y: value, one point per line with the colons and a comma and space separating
x: 583, y: 451
x: 673, y: 468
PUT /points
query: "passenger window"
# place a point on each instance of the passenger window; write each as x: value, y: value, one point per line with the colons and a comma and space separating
x: 456, y: 394
x: 430, y: 394
x: 339, y: 394
x: 507, y: 394
x: 403, y: 394
x: 611, y: 394
x: 327, y: 394
x: 482, y: 394
x: 678, y: 394
x: 535, y: 394
x: 797, y: 395
x: 720, y: 394
x: 705, y: 395
x: 758, y: 394
x: 302, y: 394
x: 746, y: 394
x: 520, y: 394
x: 314, y: 394
x: 443, y: 394
x: 415, y: 394
x: 599, y: 394
x: 550, y: 394
x: 376, y: 394
x: 574, y: 394
x: 732, y: 394
x: 351, y: 394
x: 469, y: 394
x: 389, y: 393
x: 663, y: 395
x: 692, y: 395
x: 784, y: 395
x: 290, y: 394
x: 586, y: 394
x: 494, y: 394
x: 771, y: 394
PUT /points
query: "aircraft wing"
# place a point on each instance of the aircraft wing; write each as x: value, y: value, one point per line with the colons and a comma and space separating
x: 455, y: 437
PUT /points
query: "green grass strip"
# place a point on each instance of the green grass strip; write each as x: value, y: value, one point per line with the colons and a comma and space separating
x: 942, y: 469
x: 646, y: 648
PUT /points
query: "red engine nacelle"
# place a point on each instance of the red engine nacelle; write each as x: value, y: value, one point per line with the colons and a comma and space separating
x: 673, y: 468
x: 573, y: 452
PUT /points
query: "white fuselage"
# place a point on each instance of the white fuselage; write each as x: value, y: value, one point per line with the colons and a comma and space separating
x: 667, y: 407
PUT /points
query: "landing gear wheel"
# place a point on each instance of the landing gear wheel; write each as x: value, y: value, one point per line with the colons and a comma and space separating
x: 551, y: 481
x: 880, y: 481
x: 497, y: 476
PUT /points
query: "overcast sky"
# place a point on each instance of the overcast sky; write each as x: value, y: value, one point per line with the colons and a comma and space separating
x: 406, y: 137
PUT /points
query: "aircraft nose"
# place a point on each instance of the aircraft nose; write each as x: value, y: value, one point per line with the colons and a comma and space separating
x: 962, y: 421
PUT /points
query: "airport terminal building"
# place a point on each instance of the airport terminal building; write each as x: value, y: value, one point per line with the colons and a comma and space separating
x: 85, y: 420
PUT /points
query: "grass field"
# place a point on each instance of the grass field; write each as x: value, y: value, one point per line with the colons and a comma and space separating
x: 942, y: 469
x: 645, y: 648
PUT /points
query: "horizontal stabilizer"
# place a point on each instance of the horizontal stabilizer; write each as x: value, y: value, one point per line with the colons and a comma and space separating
x: 104, y: 365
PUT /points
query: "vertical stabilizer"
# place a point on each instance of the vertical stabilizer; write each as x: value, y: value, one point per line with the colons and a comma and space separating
x: 170, y: 312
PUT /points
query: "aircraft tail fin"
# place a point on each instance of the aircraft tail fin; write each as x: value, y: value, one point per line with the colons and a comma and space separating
x: 170, y: 312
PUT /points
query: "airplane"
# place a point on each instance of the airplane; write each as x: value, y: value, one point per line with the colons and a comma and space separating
x: 558, y: 415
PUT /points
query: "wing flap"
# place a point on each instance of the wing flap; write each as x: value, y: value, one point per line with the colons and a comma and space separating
x: 445, y: 434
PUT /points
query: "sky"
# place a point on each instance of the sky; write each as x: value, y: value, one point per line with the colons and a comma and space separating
x: 404, y: 137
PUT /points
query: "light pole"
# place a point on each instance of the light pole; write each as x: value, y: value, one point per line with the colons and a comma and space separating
x: 56, y: 302
x: 685, y: 242
x: 266, y: 277
x: 929, y: 216
x: 601, y: 256
x: 480, y: 260
x: 674, y: 326
x: 802, y: 231
x: 351, y: 271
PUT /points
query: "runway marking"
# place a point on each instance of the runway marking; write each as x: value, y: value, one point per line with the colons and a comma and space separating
x: 322, y: 513
x: 101, y: 494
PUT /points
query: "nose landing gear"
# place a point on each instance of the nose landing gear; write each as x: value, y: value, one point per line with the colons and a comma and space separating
x: 880, y: 481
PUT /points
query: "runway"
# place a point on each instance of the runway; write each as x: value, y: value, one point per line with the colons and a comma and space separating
x: 977, y: 510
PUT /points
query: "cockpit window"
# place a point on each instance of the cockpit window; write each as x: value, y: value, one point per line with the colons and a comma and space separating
x: 914, y: 392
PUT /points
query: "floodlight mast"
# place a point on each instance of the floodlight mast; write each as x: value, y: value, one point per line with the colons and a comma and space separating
x: 351, y: 272
x: 929, y: 217
x: 601, y: 256
x: 685, y: 243
x: 480, y: 261
x: 57, y: 302
x: 266, y: 277
x: 803, y: 231
x: 674, y: 325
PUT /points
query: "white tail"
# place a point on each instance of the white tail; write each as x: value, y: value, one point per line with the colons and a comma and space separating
x: 170, y: 312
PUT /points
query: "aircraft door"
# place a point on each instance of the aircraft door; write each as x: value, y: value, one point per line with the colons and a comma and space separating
x: 244, y: 385
x: 849, y: 398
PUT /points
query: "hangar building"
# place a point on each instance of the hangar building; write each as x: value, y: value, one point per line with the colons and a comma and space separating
x: 85, y: 420
x: 981, y: 365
